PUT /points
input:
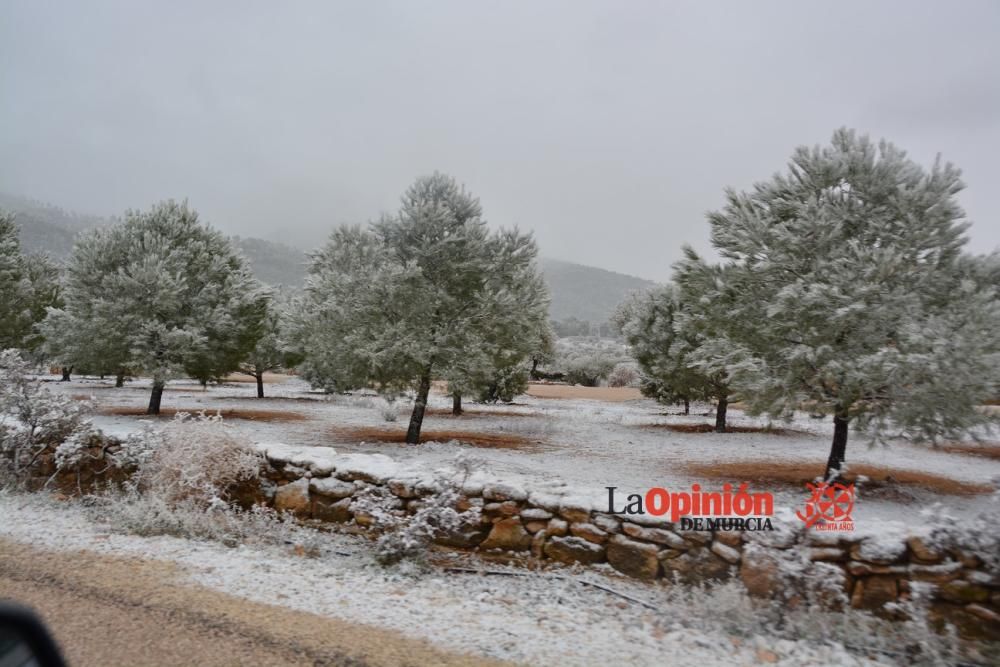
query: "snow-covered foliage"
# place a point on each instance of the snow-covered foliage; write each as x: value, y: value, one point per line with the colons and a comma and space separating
x: 624, y: 375
x: 161, y: 294
x: 662, y: 336
x: 193, y: 459
x: 426, y: 293
x: 28, y: 285
x: 587, y: 361
x: 35, y: 422
x: 272, y: 350
x: 843, y: 286
x: 408, y: 535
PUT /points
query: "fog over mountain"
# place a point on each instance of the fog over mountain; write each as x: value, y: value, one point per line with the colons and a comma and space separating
x: 608, y: 129
x: 585, y: 293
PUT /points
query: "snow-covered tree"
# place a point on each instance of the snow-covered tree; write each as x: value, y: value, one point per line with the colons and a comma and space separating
x: 419, y: 295
x: 156, y: 293
x: 28, y: 285
x: 272, y: 350
x: 662, y: 335
x: 843, y: 288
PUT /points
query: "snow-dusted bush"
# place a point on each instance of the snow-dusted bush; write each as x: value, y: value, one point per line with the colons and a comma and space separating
x: 407, y: 536
x: 129, y: 511
x: 505, y: 385
x: 588, y: 361
x: 35, y: 423
x: 195, y: 460
x: 623, y: 375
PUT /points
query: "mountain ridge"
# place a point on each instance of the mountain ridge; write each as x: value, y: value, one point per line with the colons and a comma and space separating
x: 578, y: 291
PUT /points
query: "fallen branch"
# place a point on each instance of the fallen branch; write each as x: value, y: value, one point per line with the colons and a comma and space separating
x: 560, y: 577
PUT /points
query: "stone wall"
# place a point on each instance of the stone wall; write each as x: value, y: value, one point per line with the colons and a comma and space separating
x: 786, y: 563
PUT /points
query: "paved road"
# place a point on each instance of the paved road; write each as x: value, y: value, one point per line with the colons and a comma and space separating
x: 111, y: 611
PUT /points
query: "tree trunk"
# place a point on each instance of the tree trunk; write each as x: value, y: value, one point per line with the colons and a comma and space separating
x: 687, y: 407
x: 838, y: 450
x: 534, y: 369
x: 66, y: 370
x: 720, y: 414
x: 456, y: 404
x: 120, y: 378
x: 260, y: 384
x: 419, y: 406
x: 154, y: 397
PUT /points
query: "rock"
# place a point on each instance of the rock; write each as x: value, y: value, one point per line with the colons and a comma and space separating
x: 658, y: 535
x: 465, y: 503
x: 880, y: 552
x: 922, y: 552
x: 696, y: 566
x: 503, y: 492
x: 293, y: 497
x: 546, y: 501
x: 589, y: 532
x: 700, y: 537
x: 507, y: 508
x: 984, y: 613
x: 535, y: 514
x: 731, y: 538
x: 668, y: 554
x: 827, y: 554
x: 874, y: 592
x: 608, y: 524
x: 571, y: 550
x: 508, y: 534
x: 333, y: 511
x: 725, y: 552
x: 557, y: 527
x: 574, y: 513
x: 859, y: 569
x: 962, y: 591
x: 462, y: 538
x: 538, y: 543
x: 402, y: 488
x: 535, y: 526
x: 331, y: 487
x: 636, y: 559
x: 760, y: 571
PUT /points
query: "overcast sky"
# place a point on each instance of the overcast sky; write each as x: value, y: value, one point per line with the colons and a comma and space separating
x: 607, y: 128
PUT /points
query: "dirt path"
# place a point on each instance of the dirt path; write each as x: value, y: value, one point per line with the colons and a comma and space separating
x: 115, y: 611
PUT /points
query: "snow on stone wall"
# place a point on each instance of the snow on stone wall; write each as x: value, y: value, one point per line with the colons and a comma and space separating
x: 877, y: 573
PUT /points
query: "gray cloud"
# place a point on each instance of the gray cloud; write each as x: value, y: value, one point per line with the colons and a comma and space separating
x: 607, y: 128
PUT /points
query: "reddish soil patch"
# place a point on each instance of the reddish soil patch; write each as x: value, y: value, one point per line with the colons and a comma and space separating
x: 768, y: 474
x: 471, y: 438
x: 269, y: 378
x: 985, y: 450
x: 227, y: 413
x: 710, y: 428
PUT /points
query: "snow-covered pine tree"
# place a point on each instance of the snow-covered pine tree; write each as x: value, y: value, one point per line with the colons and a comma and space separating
x: 155, y: 293
x: 272, y: 349
x: 843, y: 288
x: 515, y: 302
x: 413, y: 297
x: 28, y: 285
x: 661, y: 335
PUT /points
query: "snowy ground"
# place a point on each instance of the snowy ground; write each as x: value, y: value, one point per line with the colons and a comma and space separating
x: 536, y: 619
x: 585, y: 445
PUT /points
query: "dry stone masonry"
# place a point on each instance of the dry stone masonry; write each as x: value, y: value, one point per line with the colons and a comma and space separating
x: 789, y: 563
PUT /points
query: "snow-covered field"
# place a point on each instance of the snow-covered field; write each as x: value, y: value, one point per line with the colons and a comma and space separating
x: 584, y: 445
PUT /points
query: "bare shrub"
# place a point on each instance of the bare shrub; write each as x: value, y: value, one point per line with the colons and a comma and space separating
x: 624, y: 375
x: 190, y: 459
